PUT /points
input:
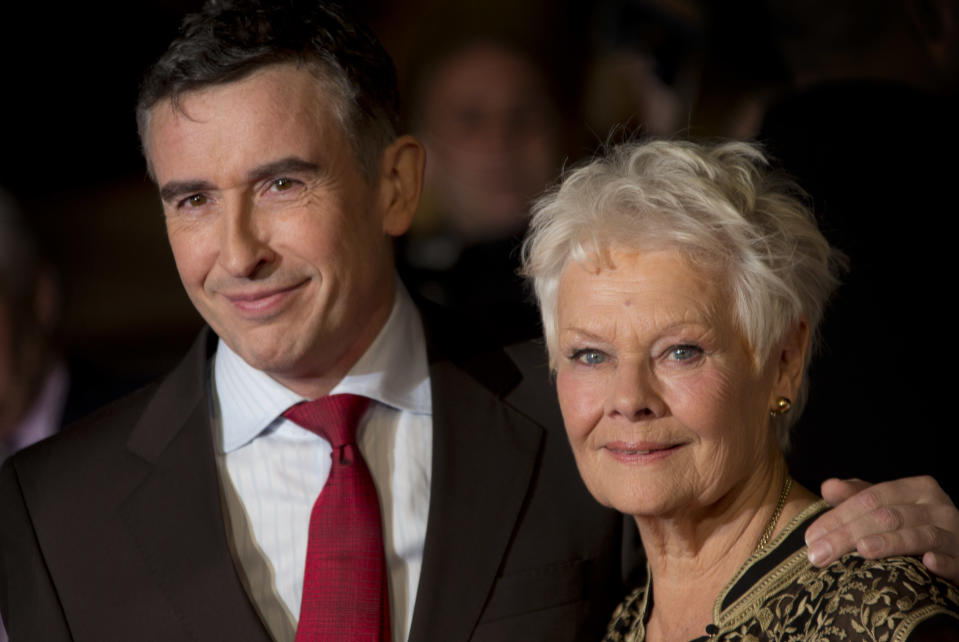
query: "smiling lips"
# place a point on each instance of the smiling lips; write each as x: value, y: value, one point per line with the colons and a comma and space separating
x: 263, y: 303
x: 642, y: 452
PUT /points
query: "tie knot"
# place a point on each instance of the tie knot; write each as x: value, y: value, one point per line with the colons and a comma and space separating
x: 333, y: 417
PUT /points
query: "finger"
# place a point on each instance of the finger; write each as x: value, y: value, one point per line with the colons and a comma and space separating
x: 942, y: 565
x: 843, y: 515
x: 836, y: 491
x: 923, y: 491
x: 909, y: 529
x: 908, y: 541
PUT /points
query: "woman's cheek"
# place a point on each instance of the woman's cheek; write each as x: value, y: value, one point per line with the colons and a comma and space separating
x: 580, y: 401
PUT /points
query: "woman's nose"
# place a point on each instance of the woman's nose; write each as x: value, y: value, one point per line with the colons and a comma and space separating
x: 633, y: 394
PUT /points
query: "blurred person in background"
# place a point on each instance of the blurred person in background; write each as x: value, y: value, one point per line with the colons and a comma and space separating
x: 33, y: 377
x: 645, y: 66
x: 680, y: 68
x: 487, y: 116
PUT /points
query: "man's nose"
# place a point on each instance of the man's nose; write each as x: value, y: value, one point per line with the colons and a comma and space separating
x: 634, y: 394
x: 245, y: 240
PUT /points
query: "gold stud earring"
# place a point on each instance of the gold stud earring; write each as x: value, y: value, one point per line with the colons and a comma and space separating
x: 783, y: 404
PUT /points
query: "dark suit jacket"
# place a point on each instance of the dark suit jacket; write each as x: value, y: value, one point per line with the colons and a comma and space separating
x: 113, y: 530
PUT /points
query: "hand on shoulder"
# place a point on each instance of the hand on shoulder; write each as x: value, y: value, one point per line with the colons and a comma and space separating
x: 910, y: 516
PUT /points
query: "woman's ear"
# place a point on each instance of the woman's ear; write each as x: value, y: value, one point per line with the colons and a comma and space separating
x: 791, y: 362
x: 400, y: 183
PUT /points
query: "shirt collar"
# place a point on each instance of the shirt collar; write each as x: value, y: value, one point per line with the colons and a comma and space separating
x: 392, y: 371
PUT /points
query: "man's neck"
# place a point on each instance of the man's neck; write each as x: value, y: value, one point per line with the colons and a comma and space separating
x: 317, y: 381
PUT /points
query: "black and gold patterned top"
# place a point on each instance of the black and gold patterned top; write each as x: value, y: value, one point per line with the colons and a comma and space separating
x: 779, y: 595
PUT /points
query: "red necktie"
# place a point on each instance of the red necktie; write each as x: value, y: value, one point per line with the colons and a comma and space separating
x: 345, y: 595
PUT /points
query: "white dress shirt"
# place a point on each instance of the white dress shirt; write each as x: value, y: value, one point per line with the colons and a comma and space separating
x: 272, y: 470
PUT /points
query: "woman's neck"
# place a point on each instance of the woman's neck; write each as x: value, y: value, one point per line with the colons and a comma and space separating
x: 693, y: 555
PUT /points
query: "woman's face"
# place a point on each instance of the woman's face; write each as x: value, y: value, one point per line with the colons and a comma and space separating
x: 665, y: 407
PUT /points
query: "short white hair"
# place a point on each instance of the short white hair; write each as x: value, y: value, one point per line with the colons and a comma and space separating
x: 721, y: 205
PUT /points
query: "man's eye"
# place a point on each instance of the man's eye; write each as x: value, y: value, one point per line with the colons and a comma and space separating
x: 283, y: 184
x: 589, y: 357
x: 684, y: 352
x: 194, y: 200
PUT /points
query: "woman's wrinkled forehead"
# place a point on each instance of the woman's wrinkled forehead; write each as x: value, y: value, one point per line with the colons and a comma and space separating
x: 596, y: 255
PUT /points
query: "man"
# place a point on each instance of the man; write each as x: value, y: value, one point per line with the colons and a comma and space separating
x: 33, y: 379
x: 283, y: 183
x: 485, y: 113
x: 183, y: 512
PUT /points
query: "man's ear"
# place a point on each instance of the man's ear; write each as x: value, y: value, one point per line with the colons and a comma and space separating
x: 400, y: 183
x: 791, y: 361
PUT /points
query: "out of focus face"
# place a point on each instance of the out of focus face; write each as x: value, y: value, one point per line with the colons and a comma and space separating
x: 664, y: 406
x: 281, y: 244
x: 489, y: 131
x: 7, y: 376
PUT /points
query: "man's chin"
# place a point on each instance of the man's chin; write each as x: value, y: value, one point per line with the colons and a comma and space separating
x: 267, y: 356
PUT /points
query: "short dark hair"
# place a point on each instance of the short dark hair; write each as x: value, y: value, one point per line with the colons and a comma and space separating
x: 228, y: 40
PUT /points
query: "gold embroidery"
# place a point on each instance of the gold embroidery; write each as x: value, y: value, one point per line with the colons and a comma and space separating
x: 851, y: 599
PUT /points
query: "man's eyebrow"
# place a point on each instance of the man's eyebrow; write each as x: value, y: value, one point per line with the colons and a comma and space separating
x: 288, y: 165
x: 175, y: 189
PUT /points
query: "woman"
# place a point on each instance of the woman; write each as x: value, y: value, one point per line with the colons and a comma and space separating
x: 680, y: 286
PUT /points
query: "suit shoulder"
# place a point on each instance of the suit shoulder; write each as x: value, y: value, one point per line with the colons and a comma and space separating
x: 535, y: 392
x: 91, y: 441
x: 86, y: 441
x: 531, y: 358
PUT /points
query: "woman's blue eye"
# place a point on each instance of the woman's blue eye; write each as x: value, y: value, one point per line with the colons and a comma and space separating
x: 589, y: 357
x: 684, y: 352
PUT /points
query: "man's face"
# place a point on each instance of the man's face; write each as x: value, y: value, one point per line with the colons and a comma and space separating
x: 7, y: 375
x: 488, y: 125
x: 278, y: 239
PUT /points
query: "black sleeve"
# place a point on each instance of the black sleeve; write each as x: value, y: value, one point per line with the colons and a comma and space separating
x: 938, y: 628
x: 28, y: 599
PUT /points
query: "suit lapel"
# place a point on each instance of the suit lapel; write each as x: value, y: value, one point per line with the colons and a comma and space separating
x: 174, y: 511
x: 484, y: 455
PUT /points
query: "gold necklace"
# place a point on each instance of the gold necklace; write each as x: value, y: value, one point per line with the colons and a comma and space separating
x: 771, y: 526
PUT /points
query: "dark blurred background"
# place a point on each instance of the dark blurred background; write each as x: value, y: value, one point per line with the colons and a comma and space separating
x: 593, y: 72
